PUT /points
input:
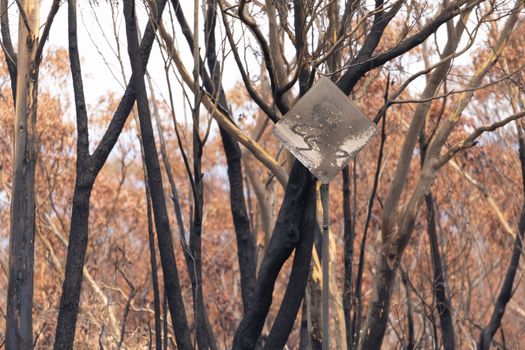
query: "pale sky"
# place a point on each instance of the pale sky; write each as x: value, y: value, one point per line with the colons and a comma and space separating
x: 101, y: 70
x: 100, y: 67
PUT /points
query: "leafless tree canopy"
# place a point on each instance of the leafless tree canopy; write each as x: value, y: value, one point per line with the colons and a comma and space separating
x: 167, y: 215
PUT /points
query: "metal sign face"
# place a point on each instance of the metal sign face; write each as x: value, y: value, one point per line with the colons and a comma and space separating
x: 324, y: 130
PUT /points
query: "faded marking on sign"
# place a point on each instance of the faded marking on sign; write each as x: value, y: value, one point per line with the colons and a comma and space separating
x: 324, y: 130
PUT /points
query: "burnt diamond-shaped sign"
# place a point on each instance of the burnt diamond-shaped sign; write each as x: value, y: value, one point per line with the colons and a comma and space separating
x: 324, y: 130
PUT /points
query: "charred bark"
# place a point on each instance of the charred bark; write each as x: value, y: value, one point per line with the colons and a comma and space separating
x: 371, y: 336
x: 169, y: 265
x: 88, y: 167
x: 349, y: 236
x: 7, y: 46
x: 375, y: 324
x: 295, y: 290
x: 246, y: 248
x: 154, y: 275
x: 285, y: 238
x: 506, y: 291
x: 285, y: 234
x: 438, y: 285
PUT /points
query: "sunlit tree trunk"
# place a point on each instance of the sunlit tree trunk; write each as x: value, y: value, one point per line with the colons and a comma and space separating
x: 22, y: 234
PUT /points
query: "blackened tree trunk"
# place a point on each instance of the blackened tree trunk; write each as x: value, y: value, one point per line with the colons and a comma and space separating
x: 78, y: 240
x: 349, y: 237
x: 372, y: 333
x: 285, y: 233
x: 169, y: 265
x: 295, y: 290
x: 438, y: 284
x: 246, y: 249
x: 506, y: 291
x: 379, y: 306
x: 7, y: 46
x: 285, y: 237
x: 88, y: 167
x: 154, y: 275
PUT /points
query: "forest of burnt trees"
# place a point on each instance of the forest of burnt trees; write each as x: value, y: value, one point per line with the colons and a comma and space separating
x: 167, y: 215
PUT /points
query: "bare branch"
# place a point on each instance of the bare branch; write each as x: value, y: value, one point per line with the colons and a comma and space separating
x: 45, y: 33
x: 215, y: 110
x: 470, y: 141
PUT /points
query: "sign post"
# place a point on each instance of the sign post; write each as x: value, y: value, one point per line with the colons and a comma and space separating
x: 324, y: 131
